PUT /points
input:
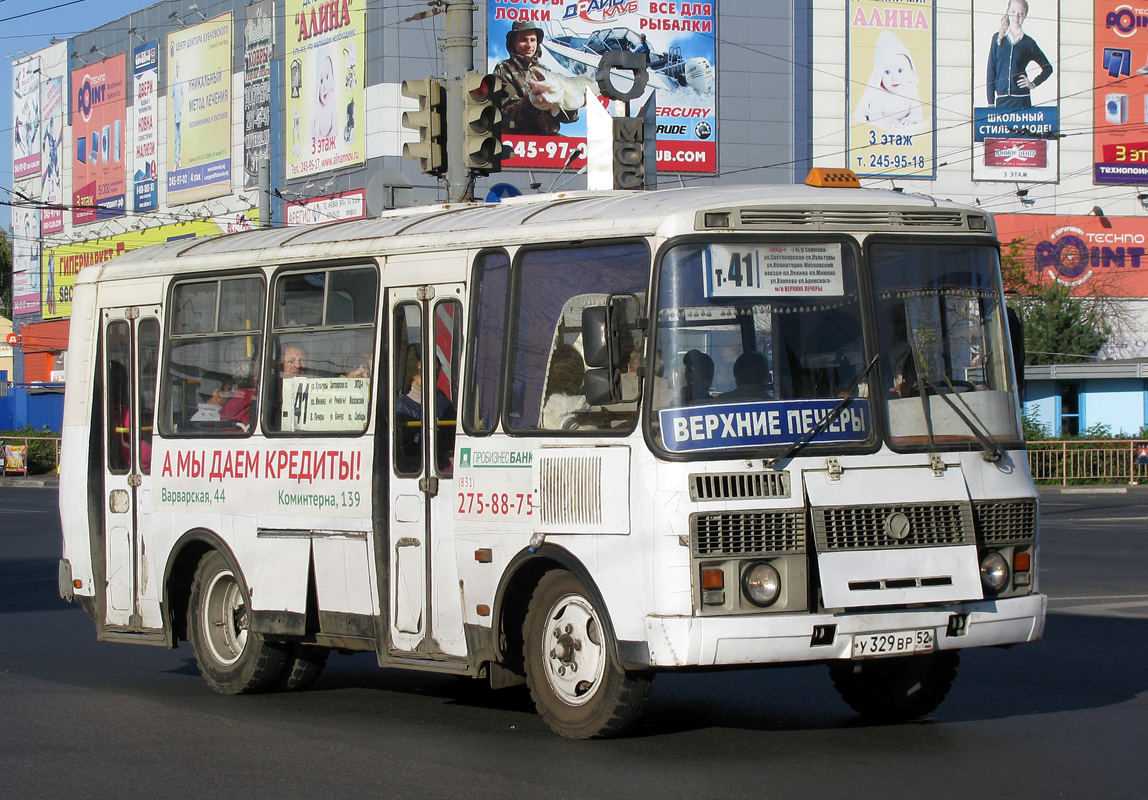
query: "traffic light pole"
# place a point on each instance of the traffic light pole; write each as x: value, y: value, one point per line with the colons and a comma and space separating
x: 458, y: 59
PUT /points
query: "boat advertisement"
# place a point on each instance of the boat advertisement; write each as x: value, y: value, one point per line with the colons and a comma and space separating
x: 547, y: 54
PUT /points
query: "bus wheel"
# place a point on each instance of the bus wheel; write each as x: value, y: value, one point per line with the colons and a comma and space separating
x: 896, y: 689
x: 575, y: 681
x: 231, y: 659
x: 304, y: 665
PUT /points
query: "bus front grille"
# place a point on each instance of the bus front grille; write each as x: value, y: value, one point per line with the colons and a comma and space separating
x: 738, y: 533
x: 739, y: 485
x: 877, y: 527
x: 1005, y: 521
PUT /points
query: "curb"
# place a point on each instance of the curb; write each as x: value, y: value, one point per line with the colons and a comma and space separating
x: 30, y: 483
x: 1094, y: 490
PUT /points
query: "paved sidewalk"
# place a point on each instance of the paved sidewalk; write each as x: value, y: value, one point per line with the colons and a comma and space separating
x: 30, y: 482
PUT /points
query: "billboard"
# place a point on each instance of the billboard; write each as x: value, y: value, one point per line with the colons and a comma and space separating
x: 1016, y: 91
x: 258, y: 52
x: 331, y: 208
x: 890, y: 87
x: 325, y: 98
x: 544, y: 121
x: 51, y: 151
x: 145, y: 181
x: 99, y: 103
x: 1083, y: 252
x: 1120, y: 95
x: 62, y: 264
x: 25, y: 260
x: 199, y: 117
x: 26, y: 118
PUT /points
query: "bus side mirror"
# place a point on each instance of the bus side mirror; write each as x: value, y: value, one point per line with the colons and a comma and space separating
x: 1016, y: 340
x: 595, y: 337
x: 598, y: 385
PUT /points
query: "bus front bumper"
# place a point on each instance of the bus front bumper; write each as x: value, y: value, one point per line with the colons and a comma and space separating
x: 782, y: 638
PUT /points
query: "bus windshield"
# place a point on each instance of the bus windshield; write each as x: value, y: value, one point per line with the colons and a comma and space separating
x: 944, y: 350
x: 757, y: 344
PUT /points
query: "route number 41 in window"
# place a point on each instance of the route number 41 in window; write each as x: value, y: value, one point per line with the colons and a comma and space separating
x: 773, y: 270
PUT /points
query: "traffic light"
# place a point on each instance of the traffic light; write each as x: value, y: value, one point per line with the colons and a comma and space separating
x: 430, y: 122
x: 482, y: 123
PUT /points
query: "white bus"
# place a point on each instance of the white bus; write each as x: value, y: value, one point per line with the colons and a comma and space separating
x: 674, y: 430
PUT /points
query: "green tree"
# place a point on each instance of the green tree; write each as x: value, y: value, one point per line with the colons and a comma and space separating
x: 1060, y: 328
x: 5, y: 276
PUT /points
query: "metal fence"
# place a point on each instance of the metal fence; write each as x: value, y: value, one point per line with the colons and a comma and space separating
x: 1089, y: 461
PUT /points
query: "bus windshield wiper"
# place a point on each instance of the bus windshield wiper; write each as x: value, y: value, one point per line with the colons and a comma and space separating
x: 826, y: 421
x: 994, y: 451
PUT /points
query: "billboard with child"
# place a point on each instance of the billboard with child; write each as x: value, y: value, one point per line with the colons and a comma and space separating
x: 325, y: 102
x: 890, y: 86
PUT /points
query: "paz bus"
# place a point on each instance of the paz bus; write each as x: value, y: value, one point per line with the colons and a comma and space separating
x: 568, y: 440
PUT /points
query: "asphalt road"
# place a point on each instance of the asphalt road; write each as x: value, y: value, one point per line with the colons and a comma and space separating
x: 1065, y: 717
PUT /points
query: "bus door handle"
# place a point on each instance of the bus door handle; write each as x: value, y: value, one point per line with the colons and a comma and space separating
x: 134, y: 480
x: 429, y: 484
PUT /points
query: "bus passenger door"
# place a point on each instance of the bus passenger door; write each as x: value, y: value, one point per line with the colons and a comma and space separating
x: 131, y: 352
x: 425, y: 340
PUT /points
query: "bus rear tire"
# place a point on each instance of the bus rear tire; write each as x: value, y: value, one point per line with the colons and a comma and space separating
x: 896, y: 689
x: 576, y: 683
x: 231, y: 658
x: 303, y: 667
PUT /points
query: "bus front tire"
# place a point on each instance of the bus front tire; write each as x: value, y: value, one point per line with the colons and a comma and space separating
x: 575, y: 681
x: 231, y: 658
x: 896, y: 689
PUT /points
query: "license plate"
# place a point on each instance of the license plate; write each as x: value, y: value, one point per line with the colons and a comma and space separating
x: 893, y: 643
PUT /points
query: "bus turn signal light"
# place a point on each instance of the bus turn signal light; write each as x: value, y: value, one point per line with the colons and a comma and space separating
x: 713, y: 579
x: 1021, y: 562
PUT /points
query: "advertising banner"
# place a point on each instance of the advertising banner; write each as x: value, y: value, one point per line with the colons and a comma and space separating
x: 62, y: 264
x: 258, y: 52
x: 890, y: 88
x: 1016, y: 90
x: 332, y: 208
x: 199, y: 117
x: 544, y: 119
x: 51, y: 151
x: 1082, y: 253
x: 325, y: 96
x: 99, y: 103
x: 145, y: 60
x: 25, y: 260
x: 26, y: 118
x: 1120, y: 94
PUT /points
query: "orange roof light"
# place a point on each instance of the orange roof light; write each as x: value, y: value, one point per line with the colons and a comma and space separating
x: 839, y: 178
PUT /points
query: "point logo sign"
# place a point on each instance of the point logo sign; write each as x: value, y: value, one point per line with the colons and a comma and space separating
x: 89, y: 95
x: 1125, y: 20
x: 1071, y: 255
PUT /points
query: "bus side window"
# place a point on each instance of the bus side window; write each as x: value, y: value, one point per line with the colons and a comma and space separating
x: 447, y: 346
x: 322, y: 349
x: 215, y: 341
x: 487, y: 335
x: 408, y: 371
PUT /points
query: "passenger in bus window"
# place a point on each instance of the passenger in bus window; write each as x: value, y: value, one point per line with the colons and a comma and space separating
x: 294, y: 361
x: 237, y: 408
x: 358, y: 367
x: 409, y: 418
x: 565, y: 396
x: 695, y: 379
x: 750, y: 377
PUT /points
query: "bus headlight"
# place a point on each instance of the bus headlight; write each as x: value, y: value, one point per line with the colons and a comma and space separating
x: 761, y: 584
x: 994, y: 572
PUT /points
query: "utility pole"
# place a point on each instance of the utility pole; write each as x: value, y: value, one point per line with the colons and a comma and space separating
x: 458, y: 58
